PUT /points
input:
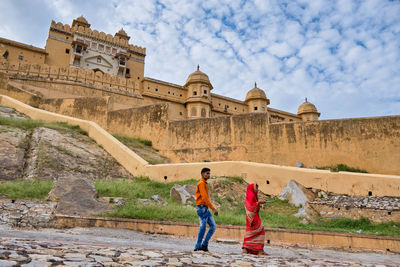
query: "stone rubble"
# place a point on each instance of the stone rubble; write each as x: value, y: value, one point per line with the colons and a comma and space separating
x: 378, y: 203
x: 20, y: 252
x: 26, y: 214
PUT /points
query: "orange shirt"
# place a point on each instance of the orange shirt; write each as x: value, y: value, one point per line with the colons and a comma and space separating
x: 202, y: 194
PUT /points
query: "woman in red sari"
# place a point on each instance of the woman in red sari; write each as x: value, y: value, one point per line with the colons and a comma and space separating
x: 255, y: 236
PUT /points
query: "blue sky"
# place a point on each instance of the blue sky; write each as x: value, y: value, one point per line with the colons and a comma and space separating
x: 344, y: 55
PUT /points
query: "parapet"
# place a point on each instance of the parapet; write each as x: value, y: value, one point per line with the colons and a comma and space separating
x: 86, y: 77
x: 102, y: 36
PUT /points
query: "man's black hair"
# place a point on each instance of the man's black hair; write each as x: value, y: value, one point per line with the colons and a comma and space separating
x: 205, y: 170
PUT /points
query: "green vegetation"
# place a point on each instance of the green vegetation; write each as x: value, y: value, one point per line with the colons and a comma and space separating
x: 28, y: 124
x: 342, y: 168
x: 143, y: 148
x: 278, y: 213
x: 26, y: 189
x: 132, y: 141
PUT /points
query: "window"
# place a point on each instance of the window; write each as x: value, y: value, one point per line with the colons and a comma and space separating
x: 205, y: 92
x: 101, y: 47
x: 98, y: 59
x: 94, y: 45
x: 114, y: 51
x: 67, y: 37
x: 203, y: 113
x: 263, y: 108
x: 66, y: 51
x: 21, y: 57
x: 180, y: 113
x: 180, y: 95
x: 108, y: 49
x: 255, y: 108
x: 169, y: 92
x: 235, y: 108
x: 156, y: 89
x: 5, y: 55
x: 194, y: 93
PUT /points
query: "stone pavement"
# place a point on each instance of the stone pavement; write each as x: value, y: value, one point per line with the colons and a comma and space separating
x: 118, y: 247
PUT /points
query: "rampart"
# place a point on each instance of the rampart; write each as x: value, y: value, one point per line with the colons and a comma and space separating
x: 271, y: 178
x: 89, y: 78
x: 372, y: 144
x: 368, y: 143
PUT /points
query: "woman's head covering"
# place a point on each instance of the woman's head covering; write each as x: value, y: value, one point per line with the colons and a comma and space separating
x: 251, y: 196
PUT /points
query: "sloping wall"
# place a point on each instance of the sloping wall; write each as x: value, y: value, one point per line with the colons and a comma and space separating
x: 271, y: 178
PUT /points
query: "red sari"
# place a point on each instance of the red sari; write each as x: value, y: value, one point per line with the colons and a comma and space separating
x: 255, y: 234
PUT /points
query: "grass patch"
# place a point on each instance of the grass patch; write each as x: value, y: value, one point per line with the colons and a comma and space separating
x: 342, y: 168
x: 26, y: 189
x: 132, y: 141
x: 28, y: 124
x: 143, y: 148
x: 278, y: 213
x: 141, y: 187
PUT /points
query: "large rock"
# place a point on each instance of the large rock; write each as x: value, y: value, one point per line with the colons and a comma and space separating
x: 12, y: 151
x: 76, y: 197
x: 297, y: 194
x: 179, y: 193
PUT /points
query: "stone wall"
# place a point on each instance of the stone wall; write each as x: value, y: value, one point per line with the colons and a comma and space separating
x: 26, y: 213
x: 148, y: 122
x: 51, y: 73
x: 368, y: 143
x: 87, y: 108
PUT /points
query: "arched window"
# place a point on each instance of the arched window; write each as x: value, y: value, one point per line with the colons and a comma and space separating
x: 203, y: 113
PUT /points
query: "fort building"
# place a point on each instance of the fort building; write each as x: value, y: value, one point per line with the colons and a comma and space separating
x: 80, y: 47
x: 91, y: 75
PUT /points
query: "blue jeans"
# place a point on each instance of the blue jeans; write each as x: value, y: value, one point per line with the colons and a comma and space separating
x: 204, y: 218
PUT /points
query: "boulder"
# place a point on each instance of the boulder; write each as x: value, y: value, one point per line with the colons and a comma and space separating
x: 297, y: 194
x: 308, y: 214
x: 76, y: 197
x: 159, y: 200
x: 179, y: 193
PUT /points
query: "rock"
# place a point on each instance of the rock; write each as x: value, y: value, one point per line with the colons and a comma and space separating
x: 296, y: 194
x: 76, y: 197
x: 191, y: 189
x: 159, y: 200
x: 308, y: 214
x: 12, y: 151
x: 180, y: 194
x: 299, y: 164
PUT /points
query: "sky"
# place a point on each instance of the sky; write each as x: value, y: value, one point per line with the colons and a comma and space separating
x: 343, y: 55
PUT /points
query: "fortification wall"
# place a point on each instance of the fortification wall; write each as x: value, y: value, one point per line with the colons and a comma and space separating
x: 372, y: 144
x: 88, y: 78
x: 271, y: 178
x: 148, y: 122
x: 86, y: 108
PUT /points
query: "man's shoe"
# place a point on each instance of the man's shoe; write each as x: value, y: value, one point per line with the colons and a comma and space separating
x: 204, y: 248
x: 197, y: 249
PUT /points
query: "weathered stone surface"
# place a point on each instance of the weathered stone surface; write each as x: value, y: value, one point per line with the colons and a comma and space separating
x: 77, y: 196
x: 179, y: 193
x: 159, y: 200
x: 12, y: 151
x: 297, y: 194
x: 308, y: 213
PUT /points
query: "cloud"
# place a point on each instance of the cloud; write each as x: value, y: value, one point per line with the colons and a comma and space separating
x: 343, y: 55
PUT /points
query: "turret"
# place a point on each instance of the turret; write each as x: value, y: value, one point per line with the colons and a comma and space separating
x: 198, y: 102
x: 256, y: 100
x: 308, y: 112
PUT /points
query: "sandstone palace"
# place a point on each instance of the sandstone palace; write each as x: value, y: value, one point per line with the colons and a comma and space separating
x: 91, y: 75
x: 80, y: 47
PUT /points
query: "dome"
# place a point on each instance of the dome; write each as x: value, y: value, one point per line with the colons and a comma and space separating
x: 198, y: 77
x: 82, y: 19
x: 255, y: 93
x: 307, y: 107
x: 122, y: 32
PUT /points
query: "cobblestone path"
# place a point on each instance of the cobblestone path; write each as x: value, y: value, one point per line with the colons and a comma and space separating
x: 116, y: 247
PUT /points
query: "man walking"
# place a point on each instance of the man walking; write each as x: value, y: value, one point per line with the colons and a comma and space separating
x: 203, y: 203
